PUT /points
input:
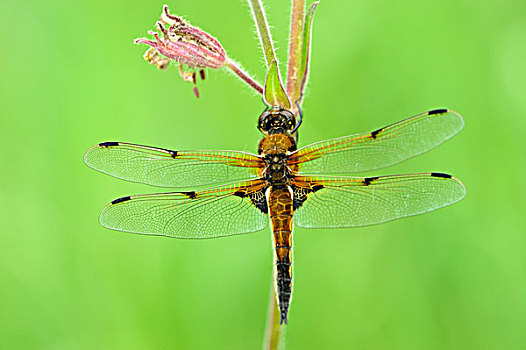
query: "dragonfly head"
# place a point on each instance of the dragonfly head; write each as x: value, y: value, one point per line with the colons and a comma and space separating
x: 276, y: 120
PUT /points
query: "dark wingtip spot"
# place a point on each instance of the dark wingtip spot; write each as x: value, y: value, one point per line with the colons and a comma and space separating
x: 438, y: 111
x: 445, y: 176
x: 375, y: 133
x: 120, y: 200
x: 190, y: 194
x: 368, y: 180
x: 316, y: 188
x: 108, y: 144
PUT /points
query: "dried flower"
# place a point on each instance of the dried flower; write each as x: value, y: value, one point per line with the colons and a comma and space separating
x: 154, y: 57
x: 184, y: 43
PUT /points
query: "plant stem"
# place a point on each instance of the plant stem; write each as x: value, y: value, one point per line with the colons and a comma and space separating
x: 306, y: 47
x: 295, y: 50
x: 244, y: 75
x: 263, y: 30
x: 274, y: 332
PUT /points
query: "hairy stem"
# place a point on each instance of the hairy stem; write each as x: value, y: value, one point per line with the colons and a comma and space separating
x: 274, y: 332
x: 295, y: 50
x: 244, y: 75
x: 263, y: 30
x: 306, y: 44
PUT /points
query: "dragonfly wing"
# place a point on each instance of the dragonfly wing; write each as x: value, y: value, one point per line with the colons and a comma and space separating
x: 166, y: 168
x: 330, y: 202
x: 380, y: 148
x: 217, y: 212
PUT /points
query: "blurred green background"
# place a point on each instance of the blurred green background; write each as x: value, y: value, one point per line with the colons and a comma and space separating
x: 70, y: 77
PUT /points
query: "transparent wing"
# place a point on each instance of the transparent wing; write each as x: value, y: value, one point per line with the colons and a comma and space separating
x: 330, y: 202
x: 166, y: 168
x: 383, y: 147
x: 217, y: 212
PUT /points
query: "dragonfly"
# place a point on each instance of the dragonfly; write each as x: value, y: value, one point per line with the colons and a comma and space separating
x: 309, y: 187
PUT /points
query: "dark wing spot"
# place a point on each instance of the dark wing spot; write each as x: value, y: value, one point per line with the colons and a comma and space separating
x: 368, y: 180
x: 375, y: 133
x: 190, y: 194
x: 240, y: 194
x: 108, y: 144
x: 300, y: 194
x: 438, y: 111
x: 259, y: 200
x: 172, y: 153
x: 316, y: 188
x: 445, y: 176
x: 120, y: 200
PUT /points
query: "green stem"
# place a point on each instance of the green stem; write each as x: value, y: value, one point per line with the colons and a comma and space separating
x: 295, y: 49
x: 306, y: 47
x: 274, y: 332
x: 263, y: 30
x: 244, y: 75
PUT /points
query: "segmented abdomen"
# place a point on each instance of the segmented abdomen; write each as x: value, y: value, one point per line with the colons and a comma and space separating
x: 280, y: 210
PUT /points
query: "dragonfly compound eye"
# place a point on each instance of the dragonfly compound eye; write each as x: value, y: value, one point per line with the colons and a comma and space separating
x: 263, y: 123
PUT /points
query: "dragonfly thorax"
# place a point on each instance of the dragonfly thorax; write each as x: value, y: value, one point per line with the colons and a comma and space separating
x: 275, y: 150
x: 277, y: 171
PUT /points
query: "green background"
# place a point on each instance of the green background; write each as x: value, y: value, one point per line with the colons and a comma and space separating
x: 70, y: 77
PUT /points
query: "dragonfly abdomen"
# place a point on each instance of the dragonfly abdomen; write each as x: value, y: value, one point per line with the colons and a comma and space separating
x: 284, y: 279
x: 280, y: 210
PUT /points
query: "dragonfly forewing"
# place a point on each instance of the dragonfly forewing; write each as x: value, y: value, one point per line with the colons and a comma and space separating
x: 174, y: 169
x: 381, y: 148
